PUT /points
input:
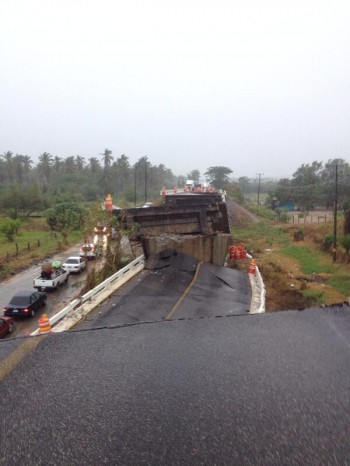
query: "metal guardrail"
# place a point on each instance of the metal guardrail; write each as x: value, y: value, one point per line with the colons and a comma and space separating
x: 113, y: 280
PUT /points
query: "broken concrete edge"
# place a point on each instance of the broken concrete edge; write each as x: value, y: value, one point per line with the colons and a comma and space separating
x: 257, y: 305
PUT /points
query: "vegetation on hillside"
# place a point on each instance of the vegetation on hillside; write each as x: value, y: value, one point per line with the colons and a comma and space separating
x: 297, y: 273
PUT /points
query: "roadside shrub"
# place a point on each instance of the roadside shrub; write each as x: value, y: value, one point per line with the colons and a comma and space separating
x: 327, y: 243
x: 263, y: 211
x: 299, y: 234
x: 10, y: 228
x: 284, y: 217
x: 6, y: 270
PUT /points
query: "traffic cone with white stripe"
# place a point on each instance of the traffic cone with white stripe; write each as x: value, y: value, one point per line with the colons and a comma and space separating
x: 44, y: 325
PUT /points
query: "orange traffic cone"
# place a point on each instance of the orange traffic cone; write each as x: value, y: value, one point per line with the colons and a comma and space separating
x: 252, y: 267
x: 44, y: 325
x: 108, y: 202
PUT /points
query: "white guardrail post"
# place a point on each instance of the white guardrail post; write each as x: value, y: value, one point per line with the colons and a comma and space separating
x: 100, y: 292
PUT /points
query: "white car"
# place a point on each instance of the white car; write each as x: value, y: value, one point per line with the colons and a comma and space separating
x: 74, y: 264
x: 88, y: 250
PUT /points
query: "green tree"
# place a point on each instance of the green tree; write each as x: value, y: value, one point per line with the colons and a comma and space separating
x: 244, y: 185
x: 306, y: 184
x: 22, y: 201
x: 107, y: 158
x: 94, y: 165
x: 69, y: 165
x: 107, y: 175
x: 57, y: 164
x: 218, y: 176
x: 79, y: 162
x: 194, y: 175
x: 44, y: 167
x: 8, y: 165
x: 64, y: 218
x: 10, y: 228
x: 328, y: 181
x: 121, y: 172
x: 27, y: 166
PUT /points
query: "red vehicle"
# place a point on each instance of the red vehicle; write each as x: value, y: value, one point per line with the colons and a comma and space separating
x: 6, y: 325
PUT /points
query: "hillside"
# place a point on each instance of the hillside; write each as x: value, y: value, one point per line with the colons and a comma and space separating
x: 297, y: 273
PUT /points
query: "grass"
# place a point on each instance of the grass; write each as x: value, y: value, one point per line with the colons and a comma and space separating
x: 34, y: 242
x: 296, y: 272
x: 260, y: 236
x: 341, y: 283
x: 310, y: 260
x: 314, y: 296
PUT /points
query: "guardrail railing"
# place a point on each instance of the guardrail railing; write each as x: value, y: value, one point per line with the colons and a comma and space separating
x: 114, y: 280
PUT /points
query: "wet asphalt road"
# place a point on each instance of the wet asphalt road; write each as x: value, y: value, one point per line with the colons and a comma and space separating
x: 267, y: 389
x: 129, y: 387
x: 177, y: 292
x: 56, y: 300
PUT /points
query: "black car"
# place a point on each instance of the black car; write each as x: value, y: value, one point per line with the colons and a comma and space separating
x: 25, y: 303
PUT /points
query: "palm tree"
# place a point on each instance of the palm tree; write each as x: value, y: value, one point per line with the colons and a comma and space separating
x: 106, y: 178
x: 57, y: 164
x: 79, y: 163
x: 107, y: 158
x: 121, y: 173
x: 44, y: 166
x: 27, y: 163
x: 2, y: 171
x: 18, y: 168
x: 69, y: 164
x: 7, y: 156
x: 94, y: 164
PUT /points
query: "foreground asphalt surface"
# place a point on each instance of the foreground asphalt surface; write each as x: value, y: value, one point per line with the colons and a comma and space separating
x: 269, y: 389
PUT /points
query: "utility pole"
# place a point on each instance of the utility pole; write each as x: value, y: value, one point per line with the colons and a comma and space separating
x: 145, y: 179
x: 135, y: 187
x: 335, y: 214
x: 259, y: 175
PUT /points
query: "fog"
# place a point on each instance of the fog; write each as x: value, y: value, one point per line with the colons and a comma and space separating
x: 259, y: 87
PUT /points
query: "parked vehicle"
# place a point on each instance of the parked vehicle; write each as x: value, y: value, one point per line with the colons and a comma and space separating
x: 74, y: 264
x: 6, y: 326
x: 88, y: 250
x: 189, y: 185
x: 25, y: 303
x: 51, y: 277
x: 102, y: 229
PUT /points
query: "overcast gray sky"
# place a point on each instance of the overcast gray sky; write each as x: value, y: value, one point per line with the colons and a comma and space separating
x: 259, y: 86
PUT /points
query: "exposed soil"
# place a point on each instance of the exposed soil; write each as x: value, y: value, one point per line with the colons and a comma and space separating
x: 282, y: 276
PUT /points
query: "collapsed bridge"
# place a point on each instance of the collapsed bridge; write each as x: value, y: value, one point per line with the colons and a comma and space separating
x: 191, y: 223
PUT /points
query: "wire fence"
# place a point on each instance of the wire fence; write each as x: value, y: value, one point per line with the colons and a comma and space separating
x: 19, y: 249
x: 315, y: 217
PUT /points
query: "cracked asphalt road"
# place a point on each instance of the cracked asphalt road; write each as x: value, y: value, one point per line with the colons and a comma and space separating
x: 240, y: 389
